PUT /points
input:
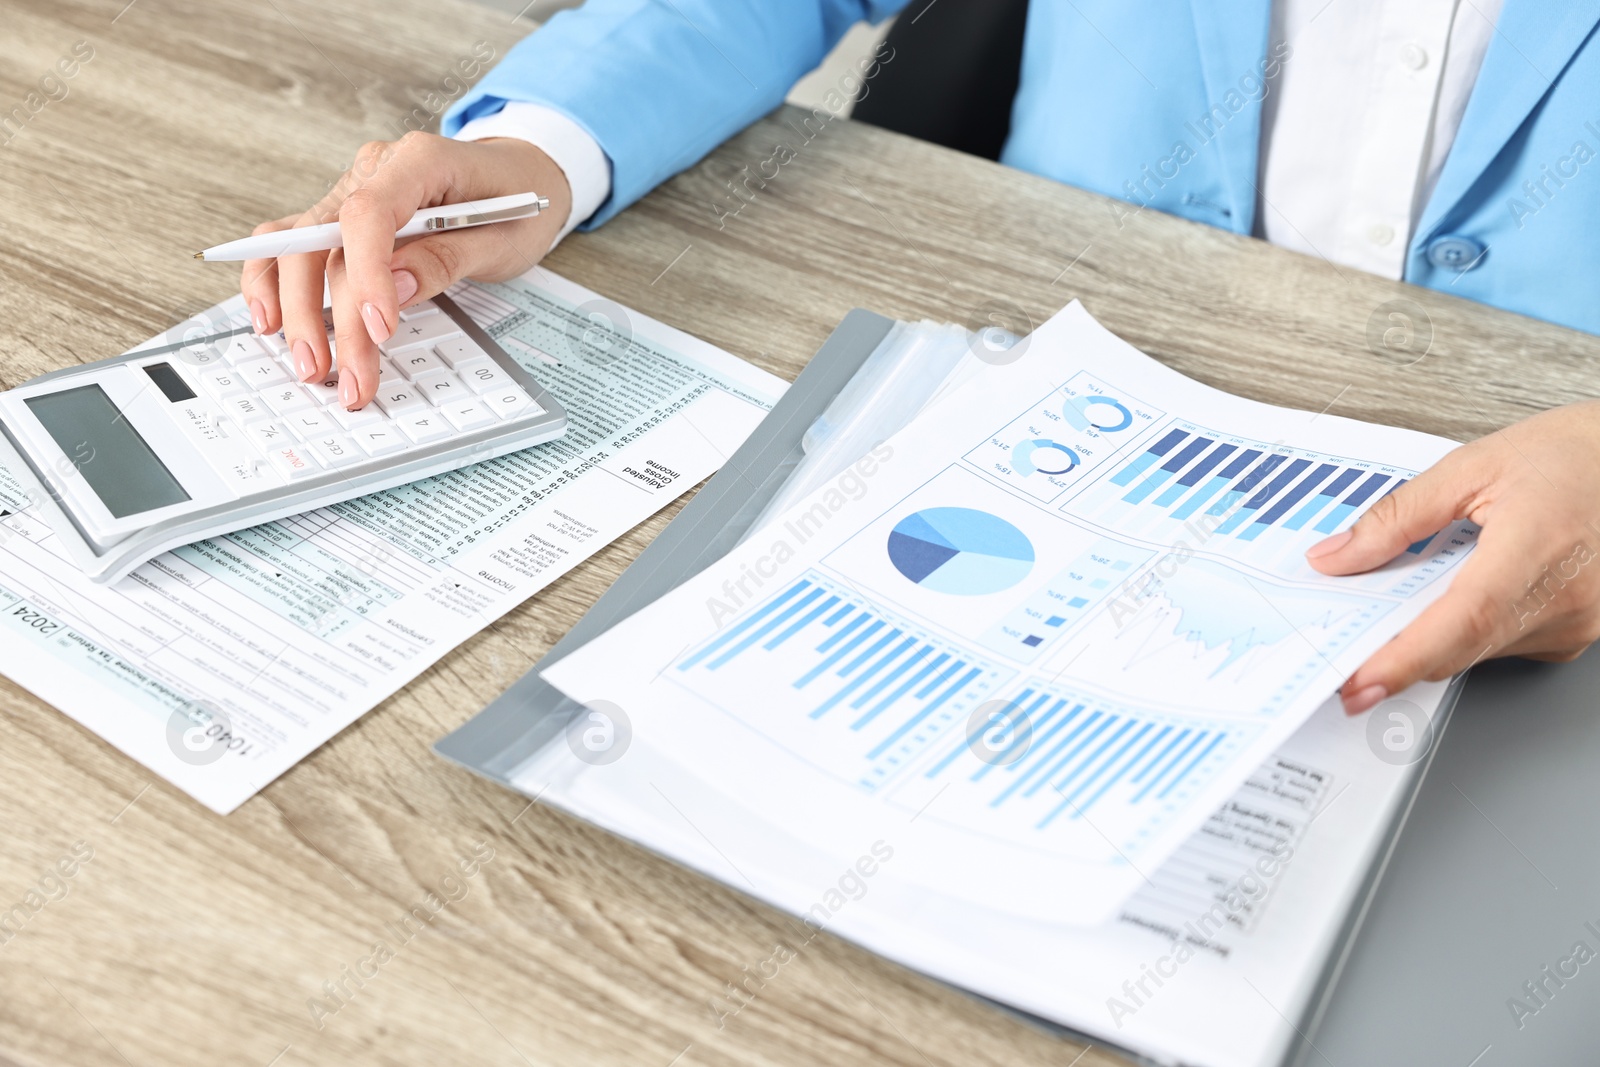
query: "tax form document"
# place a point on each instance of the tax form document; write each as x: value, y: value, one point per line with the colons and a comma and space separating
x: 221, y: 664
x: 1037, y: 638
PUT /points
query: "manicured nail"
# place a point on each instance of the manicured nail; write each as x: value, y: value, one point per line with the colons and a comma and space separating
x: 405, y: 286
x: 258, y: 317
x: 1365, y: 699
x: 377, y: 329
x: 349, y: 391
x: 1328, y: 546
x: 305, y: 361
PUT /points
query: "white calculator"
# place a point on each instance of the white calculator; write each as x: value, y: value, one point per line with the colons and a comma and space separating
x: 128, y: 457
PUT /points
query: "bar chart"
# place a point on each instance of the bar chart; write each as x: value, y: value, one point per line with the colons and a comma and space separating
x: 1063, y: 438
x: 1076, y: 762
x: 854, y: 689
x: 1255, y: 501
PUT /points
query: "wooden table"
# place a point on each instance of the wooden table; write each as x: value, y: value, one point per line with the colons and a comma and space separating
x: 194, y: 939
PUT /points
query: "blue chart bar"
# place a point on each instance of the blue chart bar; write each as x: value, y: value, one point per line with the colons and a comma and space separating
x: 1325, y: 496
x: 833, y: 660
x: 1244, y: 485
x: 1335, y: 518
x: 745, y: 624
x: 1055, y: 755
x: 1180, y: 459
x: 1215, y: 485
x: 1143, y: 462
x: 1259, y: 500
x: 1288, y: 500
x: 1194, y: 474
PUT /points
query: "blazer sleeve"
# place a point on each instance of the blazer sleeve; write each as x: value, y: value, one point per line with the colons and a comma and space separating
x: 659, y: 83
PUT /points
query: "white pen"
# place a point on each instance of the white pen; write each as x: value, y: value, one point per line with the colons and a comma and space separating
x: 428, y: 220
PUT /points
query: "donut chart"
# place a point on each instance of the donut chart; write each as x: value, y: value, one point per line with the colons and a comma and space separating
x: 960, y: 551
x: 1043, y: 456
x: 1081, y: 413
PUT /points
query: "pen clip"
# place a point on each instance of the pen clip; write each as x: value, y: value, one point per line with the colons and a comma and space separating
x: 450, y: 222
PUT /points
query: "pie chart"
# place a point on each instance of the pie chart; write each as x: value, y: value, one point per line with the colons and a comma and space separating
x: 960, y: 551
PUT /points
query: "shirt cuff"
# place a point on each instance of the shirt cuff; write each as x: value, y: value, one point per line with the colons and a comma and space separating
x: 578, y: 154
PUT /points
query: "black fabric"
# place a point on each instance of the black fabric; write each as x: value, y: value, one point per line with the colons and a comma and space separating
x: 953, y: 76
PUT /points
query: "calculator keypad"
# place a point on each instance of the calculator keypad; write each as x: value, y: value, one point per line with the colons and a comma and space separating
x: 434, y: 383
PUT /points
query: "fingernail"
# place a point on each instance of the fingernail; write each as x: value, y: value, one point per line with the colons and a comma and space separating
x: 1365, y: 699
x: 1329, y: 545
x: 305, y: 361
x: 405, y: 286
x: 258, y: 316
x: 377, y: 329
x: 349, y: 391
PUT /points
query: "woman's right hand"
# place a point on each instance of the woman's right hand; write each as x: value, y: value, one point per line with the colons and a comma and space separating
x: 370, y: 279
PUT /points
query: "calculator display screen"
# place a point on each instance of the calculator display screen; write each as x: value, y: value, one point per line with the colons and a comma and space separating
x: 124, y: 471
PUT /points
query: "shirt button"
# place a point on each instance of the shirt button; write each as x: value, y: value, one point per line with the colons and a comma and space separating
x: 1455, y: 252
x: 1413, y: 55
x: 1380, y: 234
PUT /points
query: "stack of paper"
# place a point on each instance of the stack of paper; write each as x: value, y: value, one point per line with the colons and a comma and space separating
x: 1021, y: 698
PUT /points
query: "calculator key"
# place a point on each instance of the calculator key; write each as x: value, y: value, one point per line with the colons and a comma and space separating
x: 423, y: 333
x: 380, y: 440
x: 423, y: 426
x: 246, y: 409
x: 387, y: 374
x: 268, y: 436
x: 286, y: 398
x: 275, y: 343
x: 337, y: 450
x: 293, y: 462
x: 223, y: 382
x: 457, y: 351
x: 242, y: 348
x: 200, y: 357
x: 398, y: 400
x: 367, y: 416
x: 419, y: 311
x: 325, y: 391
x: 467, y: 414
x: 440, y: 387
x: 482, y: 375
x: 511, y: 403
x: 417, y: 362
x: 264, y: 373
x: 308, y: 424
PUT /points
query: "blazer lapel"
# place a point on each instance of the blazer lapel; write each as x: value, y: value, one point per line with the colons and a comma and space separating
x: 1233, y: 42
x: 1533, y: 43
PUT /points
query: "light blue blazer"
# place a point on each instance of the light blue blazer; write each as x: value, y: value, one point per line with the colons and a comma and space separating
x: 1157, y: 102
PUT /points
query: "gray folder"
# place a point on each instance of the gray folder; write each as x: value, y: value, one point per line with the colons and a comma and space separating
x: 1456, y: 876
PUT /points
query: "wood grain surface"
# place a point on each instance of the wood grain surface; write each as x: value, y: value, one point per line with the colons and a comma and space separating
x: 190, y: 939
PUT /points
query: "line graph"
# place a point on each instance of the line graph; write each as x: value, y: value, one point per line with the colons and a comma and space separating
x: 1238, y: 644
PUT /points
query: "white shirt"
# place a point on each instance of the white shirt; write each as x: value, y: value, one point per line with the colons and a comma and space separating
x: 1355, y: 126
x: 1357, y: 123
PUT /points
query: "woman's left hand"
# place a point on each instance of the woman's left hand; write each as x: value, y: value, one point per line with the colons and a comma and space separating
x: 1528, y: 589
